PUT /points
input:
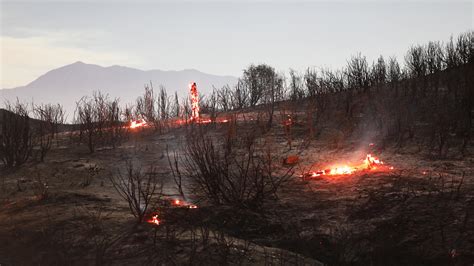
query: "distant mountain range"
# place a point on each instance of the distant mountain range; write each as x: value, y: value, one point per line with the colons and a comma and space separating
x: 69, y: 83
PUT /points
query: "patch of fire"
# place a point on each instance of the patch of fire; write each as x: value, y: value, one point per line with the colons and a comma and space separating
x: 137, y: 123
x: 370, y: 163
x: 194, y: 101
x: 182, y: 204
x: 154, y: 219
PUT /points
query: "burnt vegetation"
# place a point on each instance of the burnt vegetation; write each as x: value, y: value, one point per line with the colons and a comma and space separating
x: 241, y: 200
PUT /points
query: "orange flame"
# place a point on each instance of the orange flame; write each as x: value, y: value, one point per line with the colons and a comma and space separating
x: 194, y: 101
x: 182, y: 203
x: 369, y: 163
x: 154, y: 220
x: 137, y: 123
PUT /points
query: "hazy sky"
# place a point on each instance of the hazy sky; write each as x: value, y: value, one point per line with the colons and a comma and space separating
x: 215, y: 37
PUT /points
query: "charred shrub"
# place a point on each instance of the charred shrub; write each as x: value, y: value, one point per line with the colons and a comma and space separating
x: 138, y: 188
x: 100, y: 121
x: 50, y: 117
x: 16, y: 135
x: 238, y: 171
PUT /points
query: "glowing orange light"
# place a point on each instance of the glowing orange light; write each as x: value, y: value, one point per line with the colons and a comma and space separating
x: 154, y: 220
x: 205, y: 121
x: 182, y: 203
x: 341, y: 170
x: 369, y: 163
x: 194, y: 101
x: 137, y: 123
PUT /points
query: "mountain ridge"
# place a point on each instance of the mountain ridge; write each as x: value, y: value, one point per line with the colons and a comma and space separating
x: 67, y: 84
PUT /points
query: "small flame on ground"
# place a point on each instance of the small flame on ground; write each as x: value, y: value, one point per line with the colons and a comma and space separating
x: 342, y: 170
x: 154, y: 220
x: 369, y: 163
x: 137, y: 123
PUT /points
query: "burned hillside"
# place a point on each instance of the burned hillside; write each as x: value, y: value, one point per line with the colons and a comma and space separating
x: 370, y: 164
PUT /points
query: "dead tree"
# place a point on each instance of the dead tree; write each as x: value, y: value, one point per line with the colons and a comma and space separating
x: 240, y: 96
x: 416, y: 61
x: 92, y: 115
x: 224, y: 98
x: 164, y: 104
x: 16, y: 135
x: 138, y: 188
x: 116, y: 131
x: 378, y: 73
x: 394, y: 74
x: 311, y: 83
x: 147, y: 107
x: 176, y: 106
x: 186, y: 113
x: 357, y: 73
x: 86, y: 116
x: 210, y: 105
x: 237, y: 172
x: 50, y: 117
x: 296, y: 86
x: 265, y: 87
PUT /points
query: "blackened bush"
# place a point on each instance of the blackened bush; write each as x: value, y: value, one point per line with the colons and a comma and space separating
x: 138, y: 188
x: 16, y: 136
x: 236, y: 172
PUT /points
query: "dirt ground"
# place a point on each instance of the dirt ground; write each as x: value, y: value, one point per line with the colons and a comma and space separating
x: 66, y: 211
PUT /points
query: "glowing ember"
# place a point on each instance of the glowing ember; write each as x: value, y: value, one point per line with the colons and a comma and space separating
x: 137, y: 123
x: 369, y: 163
x: 194, y: 101
x: 182, y: 203
x: 342, y: 170
x: 154, y: 220
x: 205, y: 121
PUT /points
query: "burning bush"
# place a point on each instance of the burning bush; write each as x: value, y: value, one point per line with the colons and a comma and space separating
x: 235, y: 172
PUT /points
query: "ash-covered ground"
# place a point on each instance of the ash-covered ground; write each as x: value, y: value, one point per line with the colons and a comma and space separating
x: 67, y: 211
